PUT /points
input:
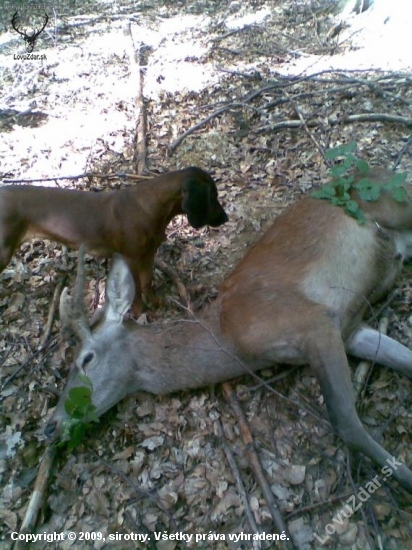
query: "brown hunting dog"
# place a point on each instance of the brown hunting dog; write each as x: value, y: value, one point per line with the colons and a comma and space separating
x: 130, y: 221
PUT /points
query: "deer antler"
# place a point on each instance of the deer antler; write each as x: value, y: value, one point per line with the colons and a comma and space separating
x: 72, y: 311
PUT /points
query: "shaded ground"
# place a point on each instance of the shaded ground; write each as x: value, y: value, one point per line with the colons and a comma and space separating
x: 158, y: 464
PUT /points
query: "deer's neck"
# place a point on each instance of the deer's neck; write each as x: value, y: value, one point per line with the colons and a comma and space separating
x: 185, y: 354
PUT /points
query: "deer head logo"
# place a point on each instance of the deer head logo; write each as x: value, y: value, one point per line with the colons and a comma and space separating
x: 31, y: 38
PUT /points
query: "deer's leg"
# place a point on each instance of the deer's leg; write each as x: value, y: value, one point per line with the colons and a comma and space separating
x: 371, y: 345
x: 328, y: 360
x: 292, y: 329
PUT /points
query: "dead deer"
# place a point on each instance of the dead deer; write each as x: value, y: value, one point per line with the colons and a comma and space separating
x: 130, y: 221
x: 297, y: 297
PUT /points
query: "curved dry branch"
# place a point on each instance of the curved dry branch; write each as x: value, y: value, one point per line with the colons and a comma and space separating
x: 363, y: 117
x: 255, y: 465
x: 37, y: 496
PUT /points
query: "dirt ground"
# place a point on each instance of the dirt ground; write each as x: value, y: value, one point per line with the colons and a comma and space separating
x: 278, y: 87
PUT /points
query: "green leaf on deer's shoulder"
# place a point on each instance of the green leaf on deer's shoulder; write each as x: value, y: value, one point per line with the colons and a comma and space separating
x: 340, y: 151
x: 362, y: 166
x: 398, y: 179
x: 367, y: 190
x: 400, y: 195
x: 326, y: 192
x: 370, y: 194
x: 364, y: 183
x: 353, y: 209
x: 396, y: 182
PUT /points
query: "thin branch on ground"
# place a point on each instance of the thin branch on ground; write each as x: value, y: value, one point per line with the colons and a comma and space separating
x: 119, y: 175
x: 364, y: 368
x: 37, y: 496
x: 255, y: 465
x: 237, y: 477
x: 173, y: 146
x: 172, y: 274
x: 309, y: 133
x: 53, y: 308
x: 402, y: 152
x: 152, y: 495
x: 365, y: 117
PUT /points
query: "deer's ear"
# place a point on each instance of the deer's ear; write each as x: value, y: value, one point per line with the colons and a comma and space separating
x: 120, y: 290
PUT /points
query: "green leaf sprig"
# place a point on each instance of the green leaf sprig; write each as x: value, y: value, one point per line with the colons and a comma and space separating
x: 81, y: 411
x: 343, y: 182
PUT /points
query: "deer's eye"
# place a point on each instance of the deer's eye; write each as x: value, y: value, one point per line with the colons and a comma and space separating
x: 88, y: 358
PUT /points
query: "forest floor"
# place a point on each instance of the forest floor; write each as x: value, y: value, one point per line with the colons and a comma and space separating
x: 278, y: 88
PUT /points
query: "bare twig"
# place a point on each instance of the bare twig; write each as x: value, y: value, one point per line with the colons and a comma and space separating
x: 255, y: 465
x: 369, y: 539
x: 304, y: 123
x: 366, y: 117
x: 172, y: 274
x: 142, y: 492
x: 238, y: 479
x: 314, y: 505
x: 140, y: 156
x: 235, y: 31
x: 376, y: 117
x: 402, y: 152
x: 37, y: 496
x: 379, y: 312
x: 173, y: 146
x: 119, y: 175
x: 364, y: 367
x: 288, y: 82
x: 57, y: 178
x: 254, y: 75
x: 55, y: 303
x: 53, y: 307
x: 277, y: 378
x: 29, y: 360
x: 138, y: 62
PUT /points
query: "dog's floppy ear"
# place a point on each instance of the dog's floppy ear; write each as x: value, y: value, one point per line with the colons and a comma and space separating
x: 200, y: 202
x: 196, y: 200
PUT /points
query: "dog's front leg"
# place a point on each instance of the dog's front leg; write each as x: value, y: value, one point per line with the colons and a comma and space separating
x: 138, y: 306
